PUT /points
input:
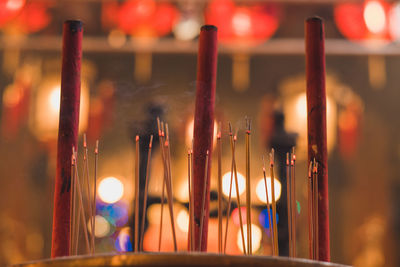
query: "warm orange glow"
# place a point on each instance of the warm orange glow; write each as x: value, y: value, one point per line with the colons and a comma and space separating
x: 256, y: 235
x: 182, y: 220
x: 189, y: 133
x: 44, y: 118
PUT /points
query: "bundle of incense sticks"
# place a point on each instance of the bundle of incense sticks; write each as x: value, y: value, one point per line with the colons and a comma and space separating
x: 163, y: 135
x: 291, y: 201
x: 313, y: 210
x: 81, y: 192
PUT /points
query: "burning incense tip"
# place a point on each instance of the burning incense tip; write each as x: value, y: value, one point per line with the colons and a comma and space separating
x: 137, y: 138
x: 84, y: 140
x: 96, y: 150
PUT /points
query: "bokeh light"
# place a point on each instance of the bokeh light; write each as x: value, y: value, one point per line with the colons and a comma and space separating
x: 235, y: 216
x: 110, y: 190
x: 182, y: 220
x: 263, y: 218
x: 256, y: 235
x: 374, y: 17
x: 260, y: 190
x: 226, y: 183
x: 123, y: 242
x: 102, y: 226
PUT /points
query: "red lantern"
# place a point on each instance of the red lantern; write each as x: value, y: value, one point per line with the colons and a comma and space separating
x: 249, y: 25
x: 146, y: 18
x: 369, y: 20
x: 9, y: 9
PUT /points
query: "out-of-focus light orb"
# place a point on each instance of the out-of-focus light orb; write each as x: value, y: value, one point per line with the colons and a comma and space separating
x: 116, y: 38
x: 15, y: 4
x: 374, y: 17
x: 263, y: 218
x: 241, y: 23
x: 110, y: 190
x: 260, y: 190
x: 226, y: 183
x: 183, y: 220
x: 123, y: 242
x: 54, y: 99
x: 236, y: 218
x: 256, y: 235
x: 187, y: 29
x: 190, y: 129
x: 102, y: 226
x: 394, y: 19
x: 11, y: 96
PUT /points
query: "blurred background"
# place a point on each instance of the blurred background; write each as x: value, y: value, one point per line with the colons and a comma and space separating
x: 139, y: 62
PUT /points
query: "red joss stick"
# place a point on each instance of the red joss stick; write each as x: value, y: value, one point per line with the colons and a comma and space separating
x: 204, y: 126
x: 316, y: 121
x: 67, y: 135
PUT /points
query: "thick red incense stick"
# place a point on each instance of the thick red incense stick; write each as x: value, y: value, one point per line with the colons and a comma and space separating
x: 316, y: 120
x: 204, y: 126
x: 67, y: 134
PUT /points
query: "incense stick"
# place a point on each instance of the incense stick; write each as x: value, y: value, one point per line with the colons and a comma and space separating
x: 160, y: 137
x: 289, y: 203
x: 293, y: 204
x: 137, y: 184
x: 145, y: 193
x: 192, y: 196
x: 268, y: 209
x: 203, y: 202
x: 77, y: 208
x: 273, y: 202
x: 72, y: 204
x: 219, y: 155
x: 81, y: 207
x: 230, y: 187
x: 96, y: 159
x: 315, y: 200
x: 232, y: 140
x: 310, y: 212
x: 248, y: 188
x: 169, y: 187
x: 190, y: 203
x: 87, y: 181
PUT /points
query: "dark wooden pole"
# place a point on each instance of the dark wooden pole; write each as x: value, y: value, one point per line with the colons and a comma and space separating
x: 316, y: 122
x: 204, y: 126
x: 67, y: 134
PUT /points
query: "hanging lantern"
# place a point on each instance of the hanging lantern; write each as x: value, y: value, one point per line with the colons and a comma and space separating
x: 146, y: 21
x: 242, y: 26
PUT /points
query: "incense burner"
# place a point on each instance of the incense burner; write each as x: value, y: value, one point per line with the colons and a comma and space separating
x: 177, y: 260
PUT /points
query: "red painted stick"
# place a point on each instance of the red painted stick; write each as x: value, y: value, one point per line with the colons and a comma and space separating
x: 204, y: 126
x: 316, y: 120
x: 67, y: 134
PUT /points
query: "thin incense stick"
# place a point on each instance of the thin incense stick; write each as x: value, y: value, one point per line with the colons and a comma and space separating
x: 77, y: 209
x: 146, y: 189
x: 81, y: 207
x: 190, y: 203
x: 161, y: 141
x: 237, y: 187
x: 315, y: 195
x: 137, y: 177
x: 87, y: 182
x: 273, y: 202
x: 289, y: 202
x: 248, y: 189
x: 293, y: 198
x: 230, y: 189
x: 310, y: 212
x: 192, y: 196
x: 203, y: 202
x: 72, y: 210
x: 219, y: 155
x: 271, y: 234
x: 169, y: 187
x: 96, y: 160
